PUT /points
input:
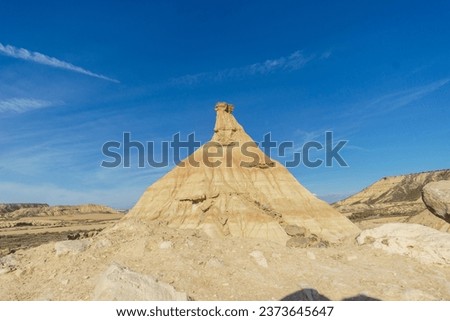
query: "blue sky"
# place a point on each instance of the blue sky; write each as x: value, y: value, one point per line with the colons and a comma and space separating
x: 76, y: 74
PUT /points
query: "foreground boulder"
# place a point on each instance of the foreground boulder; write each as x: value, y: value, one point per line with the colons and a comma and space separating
x: 436, y: 196
x: 420, y: 242
x: 73, y: 247
x: 118, y: 283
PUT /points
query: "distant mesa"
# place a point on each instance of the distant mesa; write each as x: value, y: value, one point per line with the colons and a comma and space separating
x: 20, y: 210
x: 11, y: 207
x: 391, y: 196
x: 240, y: 197
x: 418, y: 198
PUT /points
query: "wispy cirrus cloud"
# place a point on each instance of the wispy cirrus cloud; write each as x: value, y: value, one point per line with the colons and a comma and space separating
x: 24, y: 54
x: 402, y: 98
x: 396, y: 100
x: 292, y: 62
x: 21, y: 105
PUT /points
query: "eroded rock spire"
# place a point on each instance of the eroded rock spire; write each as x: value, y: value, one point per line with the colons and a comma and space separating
x: 227, y: 130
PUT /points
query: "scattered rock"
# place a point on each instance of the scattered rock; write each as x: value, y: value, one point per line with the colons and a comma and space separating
x: 73, y: 247
x: 19, y: 272
x: 298, y: 241
x: 118, y: 283
x: 73, y: 236
x: 103, y: 243
x: 165, y: 245
x: 294, y: 230
x: 311, y: 255
x: 82, y: 235
x: 4, y: 270
x: 420, y: 242
x: 276, y: 255
x: 260, y: 259
x: 436, y: 196
x: 214, y: 263
x: 304, y: 242
x: 351, y: 258
x: 8, y: 263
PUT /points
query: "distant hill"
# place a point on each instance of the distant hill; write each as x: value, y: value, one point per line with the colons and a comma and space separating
x: 11, y: 207
x: 18, y: 210
x: 390, y: 196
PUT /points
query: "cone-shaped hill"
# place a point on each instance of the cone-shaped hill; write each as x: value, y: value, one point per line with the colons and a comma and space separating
x: 230, y: 187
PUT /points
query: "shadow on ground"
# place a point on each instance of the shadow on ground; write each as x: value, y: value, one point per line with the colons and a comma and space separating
x: 314, y: 295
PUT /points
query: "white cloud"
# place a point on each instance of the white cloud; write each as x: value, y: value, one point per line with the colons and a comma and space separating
x: 292, y: 62
x: 21, y: 53
x: 308, y: 136
x: 326, y: 55
x: 402, y: 98
x: 395, y: 100
x: 20, y: 105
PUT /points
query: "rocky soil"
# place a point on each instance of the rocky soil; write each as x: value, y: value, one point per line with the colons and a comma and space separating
x: 228, y: 268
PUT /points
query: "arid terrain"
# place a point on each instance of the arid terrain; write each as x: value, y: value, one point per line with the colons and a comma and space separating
x: 208, y: 268
x: 28, y: 225
x: 249, y: 231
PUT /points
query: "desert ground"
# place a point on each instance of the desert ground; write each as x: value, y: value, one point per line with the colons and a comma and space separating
x: 216, y: 269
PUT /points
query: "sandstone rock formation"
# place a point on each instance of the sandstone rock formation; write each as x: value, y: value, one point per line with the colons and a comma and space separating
x: 390, y: 196
x: 436, y: 196
x: 238, y: 191
x: 420, y: 242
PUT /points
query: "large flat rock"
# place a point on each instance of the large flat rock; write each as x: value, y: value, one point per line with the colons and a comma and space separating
x: 118, y: 283
x: 420, y: 242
